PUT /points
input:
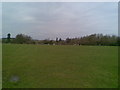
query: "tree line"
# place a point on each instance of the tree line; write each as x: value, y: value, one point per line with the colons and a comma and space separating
x: 93, y: 39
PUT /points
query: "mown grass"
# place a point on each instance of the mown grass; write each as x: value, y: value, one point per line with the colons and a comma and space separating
x: 47, y: 66
x: 0, y: 65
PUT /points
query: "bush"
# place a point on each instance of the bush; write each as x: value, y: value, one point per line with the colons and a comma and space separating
x: 22, y: 39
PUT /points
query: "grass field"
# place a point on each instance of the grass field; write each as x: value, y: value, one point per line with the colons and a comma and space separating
x: 0, y: 65
x: 47, y: 66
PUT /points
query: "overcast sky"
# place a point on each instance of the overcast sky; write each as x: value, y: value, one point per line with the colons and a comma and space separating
x: 43, y: 20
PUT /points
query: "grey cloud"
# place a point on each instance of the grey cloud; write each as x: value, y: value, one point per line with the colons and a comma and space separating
x: 50, y: 20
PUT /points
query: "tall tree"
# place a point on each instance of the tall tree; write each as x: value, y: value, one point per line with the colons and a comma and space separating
x: 56, y: 39
x: 21, y: 39
x: 8, y: 37
x: 60, y: 39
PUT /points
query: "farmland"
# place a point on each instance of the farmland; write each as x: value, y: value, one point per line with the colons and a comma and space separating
x: 59, y: 66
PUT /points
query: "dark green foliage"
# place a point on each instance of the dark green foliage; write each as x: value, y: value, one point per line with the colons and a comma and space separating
x: 8, y: 37
x: 97, y: 39
x: 23, y: 39
x: 47, y: 42
x: 60, y: 40
x: 56, y: 39
x: 93, y: 39
x: 68, y: 40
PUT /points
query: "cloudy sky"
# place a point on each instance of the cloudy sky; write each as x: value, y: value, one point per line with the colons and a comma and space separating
x: 43, y: 20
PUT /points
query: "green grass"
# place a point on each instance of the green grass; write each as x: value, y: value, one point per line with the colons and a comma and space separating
x: 0, y: 65
x: 45, y: 66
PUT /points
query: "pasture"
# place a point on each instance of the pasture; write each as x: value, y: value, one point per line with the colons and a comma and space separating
x: 65, y: 66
